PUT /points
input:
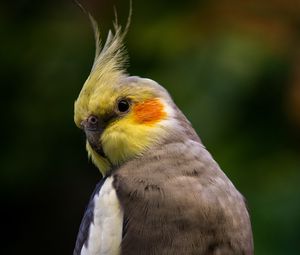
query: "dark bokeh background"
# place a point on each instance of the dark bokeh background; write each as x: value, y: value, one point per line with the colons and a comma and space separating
x: 232, y: 66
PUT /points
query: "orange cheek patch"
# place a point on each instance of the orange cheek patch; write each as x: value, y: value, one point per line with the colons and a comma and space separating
x: 149, y: 111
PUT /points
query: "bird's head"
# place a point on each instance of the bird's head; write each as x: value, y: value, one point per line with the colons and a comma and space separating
x: 121, y: 116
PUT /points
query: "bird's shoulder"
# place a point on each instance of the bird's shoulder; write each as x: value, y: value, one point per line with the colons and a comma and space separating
x: 184, y: 165
x: 175, y: 174
x: 179, y: 188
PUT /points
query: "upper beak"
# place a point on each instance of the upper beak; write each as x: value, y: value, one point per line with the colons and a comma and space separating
x: 93, y: 135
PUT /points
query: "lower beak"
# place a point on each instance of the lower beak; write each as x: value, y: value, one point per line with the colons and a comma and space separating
x: 94, y: 139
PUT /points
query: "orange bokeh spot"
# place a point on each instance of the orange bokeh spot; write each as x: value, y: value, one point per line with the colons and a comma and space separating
x: 149, y: 111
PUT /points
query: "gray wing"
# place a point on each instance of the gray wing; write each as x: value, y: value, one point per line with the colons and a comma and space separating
x: 87, y: 219
x: 181, y: 204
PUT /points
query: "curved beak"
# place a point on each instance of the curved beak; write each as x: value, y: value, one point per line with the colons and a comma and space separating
x: 94, y: 137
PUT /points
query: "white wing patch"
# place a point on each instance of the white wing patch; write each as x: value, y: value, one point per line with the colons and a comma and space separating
x: 105, y: 232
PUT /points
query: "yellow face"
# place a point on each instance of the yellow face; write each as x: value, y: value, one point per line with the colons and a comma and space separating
x: 121, y: 116
x: 121, y: 121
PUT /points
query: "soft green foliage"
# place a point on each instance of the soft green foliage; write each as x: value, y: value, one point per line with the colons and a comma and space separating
x: 229, y: 67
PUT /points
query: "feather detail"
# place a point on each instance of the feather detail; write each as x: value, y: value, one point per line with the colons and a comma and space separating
x: 109, y: 62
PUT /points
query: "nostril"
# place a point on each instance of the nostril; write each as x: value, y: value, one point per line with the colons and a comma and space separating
x: 92, y: 120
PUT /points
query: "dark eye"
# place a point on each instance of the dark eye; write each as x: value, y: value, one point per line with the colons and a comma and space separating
x: 92, y: 120
x: 123, y: 105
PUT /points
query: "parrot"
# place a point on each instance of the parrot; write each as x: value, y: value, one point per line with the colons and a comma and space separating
x: 161, y: 191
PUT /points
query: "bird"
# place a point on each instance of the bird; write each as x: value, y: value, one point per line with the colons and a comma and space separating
x: 161, y: 191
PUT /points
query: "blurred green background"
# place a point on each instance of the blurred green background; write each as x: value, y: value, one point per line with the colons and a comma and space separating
x: 232, y: 66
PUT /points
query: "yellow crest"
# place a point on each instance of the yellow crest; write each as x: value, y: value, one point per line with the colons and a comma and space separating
x: 109, y: 64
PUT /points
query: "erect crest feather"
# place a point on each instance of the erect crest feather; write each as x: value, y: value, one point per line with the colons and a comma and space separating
x: 113, y: 53
x: 109, y: 62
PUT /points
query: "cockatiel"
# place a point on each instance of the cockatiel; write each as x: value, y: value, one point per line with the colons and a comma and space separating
x: 161, y: 193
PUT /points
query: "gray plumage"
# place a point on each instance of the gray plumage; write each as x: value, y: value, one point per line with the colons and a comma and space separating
x: 177, y: 200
